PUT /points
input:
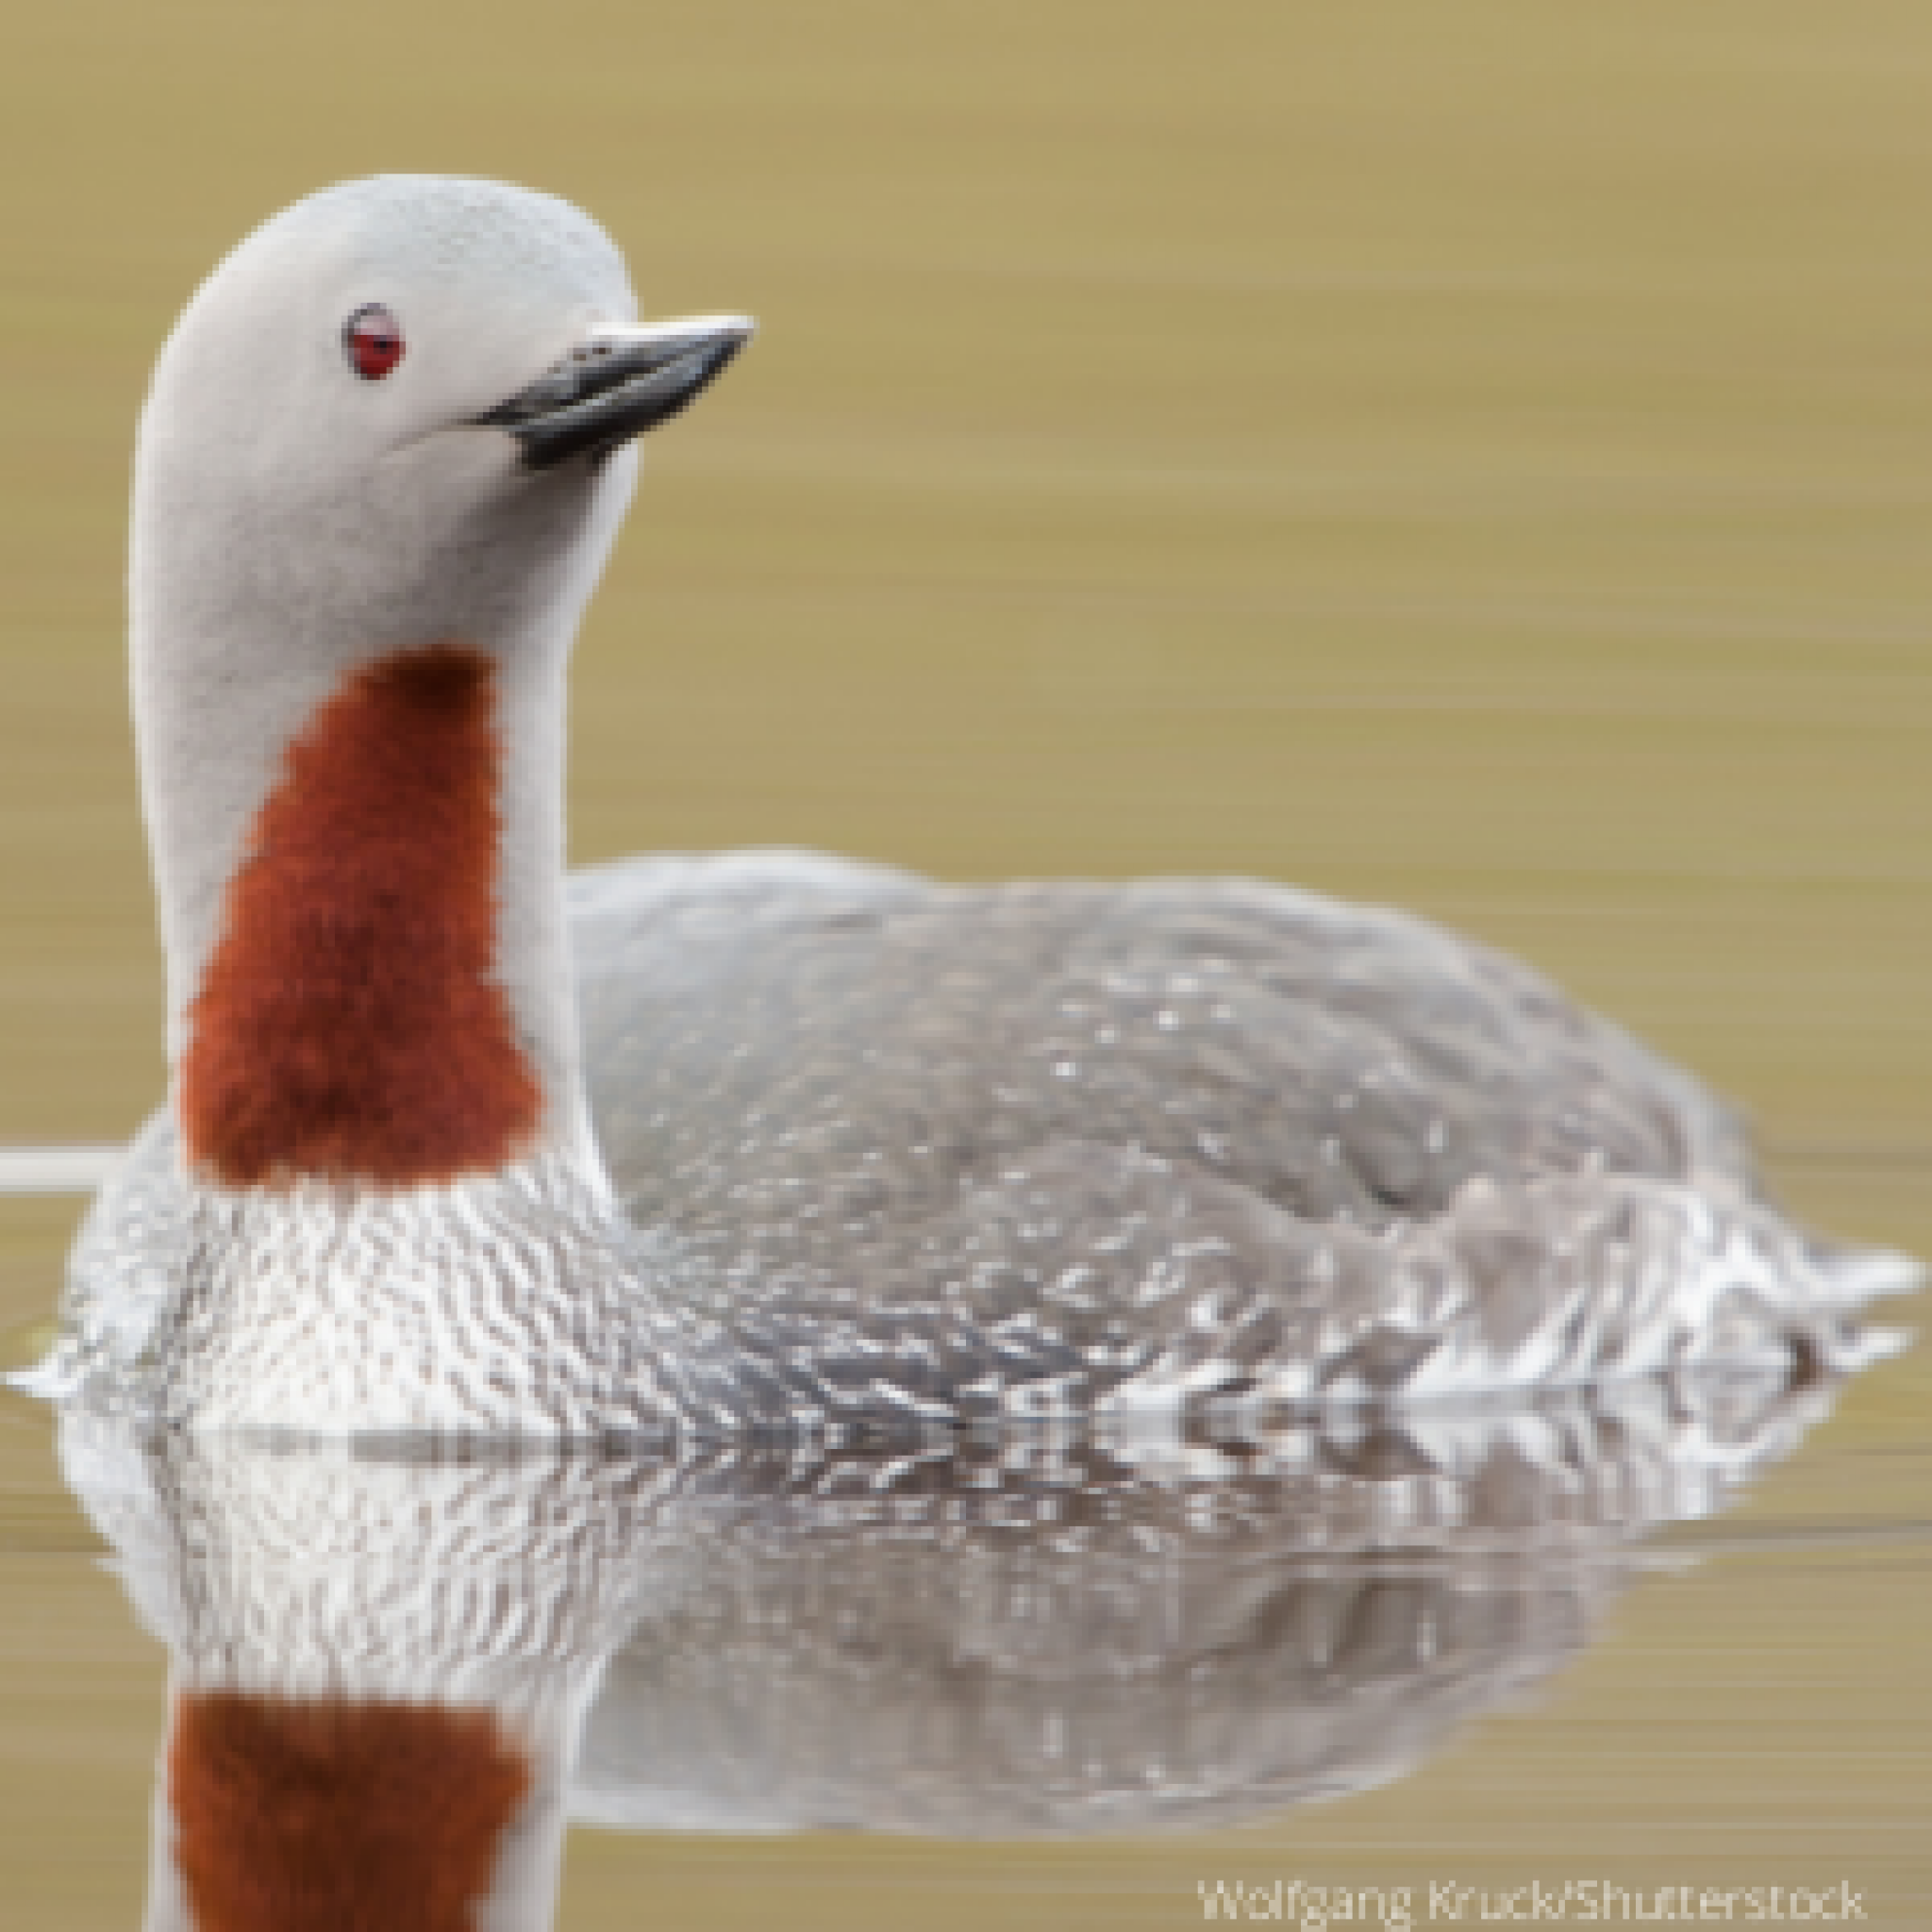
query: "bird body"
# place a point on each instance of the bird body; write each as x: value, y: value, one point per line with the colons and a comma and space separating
x: 769, y: 1141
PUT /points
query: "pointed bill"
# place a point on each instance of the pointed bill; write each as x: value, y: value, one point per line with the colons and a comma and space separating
x: 615, y: 384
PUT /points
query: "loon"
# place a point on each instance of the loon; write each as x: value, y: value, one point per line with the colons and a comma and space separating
x: 456, y: 1144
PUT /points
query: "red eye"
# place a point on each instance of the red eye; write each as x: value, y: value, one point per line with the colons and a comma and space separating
x: 373, y: 340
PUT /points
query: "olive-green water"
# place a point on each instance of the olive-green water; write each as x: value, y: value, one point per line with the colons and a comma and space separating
x: 1476, y: 455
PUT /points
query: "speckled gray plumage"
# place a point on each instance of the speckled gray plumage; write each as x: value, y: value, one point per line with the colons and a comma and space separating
x: 1164, y: 1138
x: 801, y: 1058
x: 902, y: 1154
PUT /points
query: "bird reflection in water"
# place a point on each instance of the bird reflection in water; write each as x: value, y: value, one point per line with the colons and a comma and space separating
x: 396, y: 1678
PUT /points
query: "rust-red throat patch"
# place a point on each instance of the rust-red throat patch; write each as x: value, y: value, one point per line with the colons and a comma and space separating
x: 349, y: 1023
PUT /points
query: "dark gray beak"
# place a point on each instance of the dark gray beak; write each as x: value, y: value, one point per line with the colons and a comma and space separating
x: 616, y: 384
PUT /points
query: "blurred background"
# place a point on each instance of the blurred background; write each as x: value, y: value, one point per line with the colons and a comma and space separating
x: 1478, y: 457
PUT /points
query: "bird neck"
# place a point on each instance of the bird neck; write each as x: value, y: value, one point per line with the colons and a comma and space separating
x: 362, y: 887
